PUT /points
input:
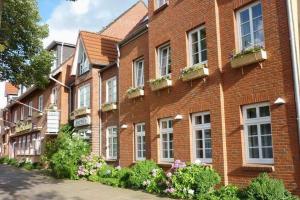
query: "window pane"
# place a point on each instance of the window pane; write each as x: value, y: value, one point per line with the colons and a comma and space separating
x: 266, y: 140
x: 203, y: 56
x: 252, y: 130
x: 195, y: 48
x: 208, y: 143
x: 203, y: 44
x: 199, y: 135
x: 208, y: 153
x: 253, y: 141
x: 245, y: 29
x: 264, y: 111
x: 259, y: 38
x: 206, y: 119
x: 257, y: 24
x: 164, y: 124
x: 202, y: 33
x: 253, y: 153
x: 245, y: 16
x: 199, y: 144
x: 256, y: 11
x: 246, y: 41
x: 267, y: 152
x: 195, y: 37
x: 198, y: 119
x: 265, y: 129
x: 170, y: 123
x: 199, y: 153
x: 251, y: 113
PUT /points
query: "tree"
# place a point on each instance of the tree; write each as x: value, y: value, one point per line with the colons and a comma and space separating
x: 22, y: 57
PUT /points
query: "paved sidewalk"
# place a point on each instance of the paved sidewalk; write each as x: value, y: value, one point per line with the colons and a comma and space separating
x: 17, y: 184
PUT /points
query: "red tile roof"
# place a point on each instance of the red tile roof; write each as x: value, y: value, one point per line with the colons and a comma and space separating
x: 10, y: 89
x: 100, y: 49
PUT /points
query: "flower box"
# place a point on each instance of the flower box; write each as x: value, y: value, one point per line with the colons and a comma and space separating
x: 81, y: 111
x: 160, y: 83
x: 194, y: 72
x: 135, y: 92
x: 37, y: 114
x: 109, y: 107
x: 248, y: 58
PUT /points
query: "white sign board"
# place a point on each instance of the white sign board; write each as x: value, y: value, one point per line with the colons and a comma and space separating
x: 82, y: 121
x: 52, y: 122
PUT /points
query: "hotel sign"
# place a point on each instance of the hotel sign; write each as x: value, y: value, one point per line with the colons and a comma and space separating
x: 53, y: 121
x: 82, y: 121
x: 23, y: 127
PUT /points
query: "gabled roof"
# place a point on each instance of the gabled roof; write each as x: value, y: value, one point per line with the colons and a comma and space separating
x: 100, y: 49
x: 10, y: 89
x: 123, y: 24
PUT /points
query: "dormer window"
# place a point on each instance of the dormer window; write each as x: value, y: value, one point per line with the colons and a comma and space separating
x: 83, y: 63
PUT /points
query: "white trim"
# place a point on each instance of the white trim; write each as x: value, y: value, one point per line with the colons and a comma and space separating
x: 87, y: 96
x: 201, y: 127
x: 258, y: 121
x: 111, y: 80
x: 197, y: 30
x: 136, y: 65
x: 159, y: 59
x: 238, y: 18
x: 140, y: 134
x: 113, y: 135
x: 167, y: 131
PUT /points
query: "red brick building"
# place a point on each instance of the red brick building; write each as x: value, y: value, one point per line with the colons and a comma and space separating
x: 197, y: 99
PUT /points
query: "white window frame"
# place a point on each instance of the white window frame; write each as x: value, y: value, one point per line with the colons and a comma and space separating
x: 111, y: 136
x: 136, y: 73
x: 111, y: 94
x: 40, y: 103
x: 167, y: 131
x: 257, y: 121
x: 160, y: 3
x: 239, y: 31
x: 159, y: 60
x: 83, y: 62
x: 30, y: 105
x: 86, y: 98
x: 54, y: 96
x: 197, y: 30
x: 15, y: 117
x: 140, y: 134
x: 201, y: 127
x: 22, y: 113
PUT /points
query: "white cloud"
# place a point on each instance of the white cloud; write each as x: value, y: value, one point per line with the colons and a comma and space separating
x: 91, y: 15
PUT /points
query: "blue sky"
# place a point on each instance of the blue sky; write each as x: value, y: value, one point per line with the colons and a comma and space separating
x: 66, y: 18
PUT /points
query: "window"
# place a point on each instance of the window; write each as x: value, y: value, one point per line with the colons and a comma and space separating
x: 166, y: 137
x: 164, y: 60
x: 197, y: 46
x: 40, y: 103
x: 22, y: 113
x: 84, y: 96
x: 30, y: 109
x: 140, y: 141
x: 112, y: 143
x: 202, y: 137
x: 54, y: 96
x: 54, y: 66
x: 111, y: 90
x: 83, y: 62
x: 258, y: 133
x: 160, y: 3
x: 139, y: 73
x: 15, y: 115
x: 250, y: 24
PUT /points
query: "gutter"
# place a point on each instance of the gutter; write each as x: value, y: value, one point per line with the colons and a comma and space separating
x: 100, y: 114
x: 295, y: 59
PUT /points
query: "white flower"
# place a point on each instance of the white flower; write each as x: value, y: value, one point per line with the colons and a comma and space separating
x: 198, y: 162
x: 169, y: 174
x: 191, y: 192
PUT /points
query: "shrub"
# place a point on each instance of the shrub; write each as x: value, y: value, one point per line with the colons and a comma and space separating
x: 89, y: 166
x: 64, y: 158
x: 140, y: 173
x: 266, y: 188
x: 228, y: 192
x: 4, y: 160
x: 13, y: 162
x: 191, y: 181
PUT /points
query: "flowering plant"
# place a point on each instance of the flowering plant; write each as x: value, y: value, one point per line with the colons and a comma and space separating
x: 159, y: 80
x: 133, y: 89
x: 89, y: 165
x: 191, y: 69
x: 254, y: 49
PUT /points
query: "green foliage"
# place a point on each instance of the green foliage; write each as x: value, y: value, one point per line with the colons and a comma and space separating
x: 159, y: 80
x: 141, y: 172
x: 89, y: 165
x: 13, y: 162
x: 22, y: 58
x: 133, y: 89
x: 65, y: 157
x: 4, y: 160
x: 193, y: 181
x: 248, y: 51
x: 193, y: 68
x: 110, y: 181
x: 266, y: 188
